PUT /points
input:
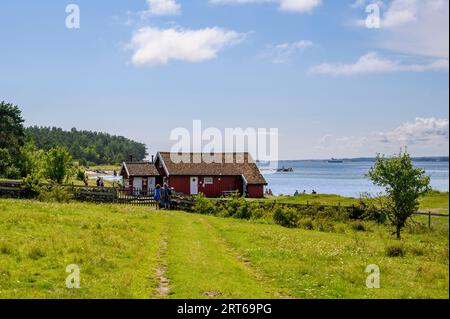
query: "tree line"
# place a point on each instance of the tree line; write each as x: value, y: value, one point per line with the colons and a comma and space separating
x: 85, y: 146
x: 39, y: 150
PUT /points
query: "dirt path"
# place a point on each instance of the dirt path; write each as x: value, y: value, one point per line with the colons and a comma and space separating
x: 163, y: 288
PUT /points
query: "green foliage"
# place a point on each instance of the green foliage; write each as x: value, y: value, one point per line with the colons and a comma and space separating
x: 203, y: 205
x: 85, y: 146
x: 11, y: 128
x: 403, y: 183
x: 373, y: 208
x: 31, y: 186
x: 80, y: 175
x: 56, y: 194
x: 12, y: 172
x: 286, y: 217
x: 31, y: 160
x: 5, y: 161
x: 58, y: 164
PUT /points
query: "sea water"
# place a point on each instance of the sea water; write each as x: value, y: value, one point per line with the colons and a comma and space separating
x: 346, y: 179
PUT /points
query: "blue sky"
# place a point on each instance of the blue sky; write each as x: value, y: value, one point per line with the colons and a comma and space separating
x: 312, y: 69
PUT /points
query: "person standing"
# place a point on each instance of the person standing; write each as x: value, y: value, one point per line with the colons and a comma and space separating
x: 157, y: 196
x: 168, y: 196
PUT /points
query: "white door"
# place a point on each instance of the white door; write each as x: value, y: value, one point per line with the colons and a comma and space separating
x: 151, y: 183
x: 194, y: 185
x: 137, y: 184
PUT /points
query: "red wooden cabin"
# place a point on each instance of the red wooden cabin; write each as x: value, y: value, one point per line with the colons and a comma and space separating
x: 213, y: 175
x: 140, y: 177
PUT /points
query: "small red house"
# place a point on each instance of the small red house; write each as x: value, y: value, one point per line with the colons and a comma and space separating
x: 140, y: 177
x: 211, y: 174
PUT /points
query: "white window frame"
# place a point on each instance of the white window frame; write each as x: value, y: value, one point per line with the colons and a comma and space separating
x: 208, y: 180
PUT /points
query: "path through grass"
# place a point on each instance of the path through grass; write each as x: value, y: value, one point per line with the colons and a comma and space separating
x: 134, y: 252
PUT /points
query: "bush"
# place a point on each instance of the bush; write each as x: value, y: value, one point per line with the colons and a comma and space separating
x: 80, y: 175
x: 56, y: 194
x: 257, y: 212
x: 12, y: 172
x: 324, y: 225
x: 203, y: 205
x: 286, y: 217
x: 373, y: 208
x: 306, y: 223
x: 395, y: 250
x: 31, y: 186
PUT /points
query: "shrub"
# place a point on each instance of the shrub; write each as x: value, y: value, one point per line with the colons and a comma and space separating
x: 306, y: 223
x: 56, y: 194
x: 203, y: 205
x: 372, y: 207
x: 358, y: 226
x: 286, y: 217
x: 257, y: 212
x: 324, y: 225
x: 80, y: 175
x: 242, y: 209
x: 31, y: 186
x: 12, y: 172
x: 395, y: 250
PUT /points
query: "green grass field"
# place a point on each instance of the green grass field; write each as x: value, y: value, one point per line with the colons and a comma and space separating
x: 135, y: 252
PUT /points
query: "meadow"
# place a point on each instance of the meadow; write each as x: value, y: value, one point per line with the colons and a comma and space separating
x: 136, y: 252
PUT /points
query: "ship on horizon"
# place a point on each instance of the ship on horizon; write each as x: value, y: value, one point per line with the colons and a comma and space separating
x: 335, y: 161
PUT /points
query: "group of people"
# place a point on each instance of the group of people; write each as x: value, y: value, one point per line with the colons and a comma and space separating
x: 100, y: 182
x: 163, y: 196
x: 304, y: 193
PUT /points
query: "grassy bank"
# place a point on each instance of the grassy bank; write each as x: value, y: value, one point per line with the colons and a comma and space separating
x: 434, y: 201
x: 133, y: 252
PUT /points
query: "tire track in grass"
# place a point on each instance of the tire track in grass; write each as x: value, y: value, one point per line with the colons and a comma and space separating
x: 163, y: 289
x: 200, y: 266
x: 256, y: 273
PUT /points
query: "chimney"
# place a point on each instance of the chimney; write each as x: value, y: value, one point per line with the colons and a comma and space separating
x: 153, y: 156
x: 131, y: 158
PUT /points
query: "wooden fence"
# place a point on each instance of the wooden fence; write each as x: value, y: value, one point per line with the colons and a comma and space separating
x: 13, y: 189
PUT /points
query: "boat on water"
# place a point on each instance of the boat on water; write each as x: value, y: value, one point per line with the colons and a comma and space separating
x: 335, y: 161
x: 285, y: 169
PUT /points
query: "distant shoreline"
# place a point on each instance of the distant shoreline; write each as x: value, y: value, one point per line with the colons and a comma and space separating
x: 371, y: 159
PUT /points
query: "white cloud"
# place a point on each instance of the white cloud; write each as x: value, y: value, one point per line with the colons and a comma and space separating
x: 153, y: 46
x: 400, y: 12
x: 424, y: 136
x: 284, y: 5
x: 373, y: 63
x: 413, y: 27
x: 281, y: 53
x: 162, y: 8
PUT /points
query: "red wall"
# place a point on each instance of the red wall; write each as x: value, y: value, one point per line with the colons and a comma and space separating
x: 255, y: 191
x: 220, y: 183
